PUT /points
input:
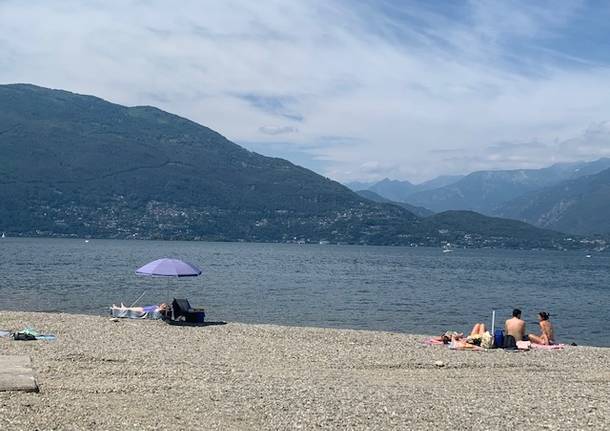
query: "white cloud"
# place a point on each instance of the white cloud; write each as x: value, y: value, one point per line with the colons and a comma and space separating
x: 278, y: 130
x: 393, y: 85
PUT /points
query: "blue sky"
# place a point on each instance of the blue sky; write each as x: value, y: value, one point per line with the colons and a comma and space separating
x: 356, y: 90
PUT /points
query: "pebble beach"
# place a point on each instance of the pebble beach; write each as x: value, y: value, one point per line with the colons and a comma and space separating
x: 147, y: 375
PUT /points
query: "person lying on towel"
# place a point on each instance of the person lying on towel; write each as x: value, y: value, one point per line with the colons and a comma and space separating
x: 458, y: 338
x: 149, y: 311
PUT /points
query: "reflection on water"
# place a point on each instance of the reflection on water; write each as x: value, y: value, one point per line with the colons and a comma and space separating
x: 381, y: 288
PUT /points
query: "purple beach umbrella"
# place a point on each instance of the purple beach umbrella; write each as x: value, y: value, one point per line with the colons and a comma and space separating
x: 169, y: 268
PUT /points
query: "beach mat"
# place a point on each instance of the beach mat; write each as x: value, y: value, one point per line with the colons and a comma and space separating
x: 433, y: 342
x: 29, y: 334
x: 146, y: 312
x: 547, y: 347
x: 16, y: 374
x: 46, y: 337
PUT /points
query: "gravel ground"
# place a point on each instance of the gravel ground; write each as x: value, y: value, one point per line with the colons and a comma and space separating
x: 101, y: 374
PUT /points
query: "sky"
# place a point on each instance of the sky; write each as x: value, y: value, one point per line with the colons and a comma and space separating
x: 356, y: 90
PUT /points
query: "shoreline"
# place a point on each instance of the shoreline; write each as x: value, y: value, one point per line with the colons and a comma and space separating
x: 150, y: 375
x: 287, y: 325
x: 439, y: 246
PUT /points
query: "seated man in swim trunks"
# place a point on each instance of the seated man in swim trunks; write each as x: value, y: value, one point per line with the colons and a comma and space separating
x: 514, y: 329
x: 547, y: 337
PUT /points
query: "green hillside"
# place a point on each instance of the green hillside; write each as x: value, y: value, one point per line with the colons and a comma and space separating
x: 372, y: 196
x: 469, y: 226
x: 75, y: 165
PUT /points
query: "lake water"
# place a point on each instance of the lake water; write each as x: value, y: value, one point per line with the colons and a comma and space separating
x: 417, y: 290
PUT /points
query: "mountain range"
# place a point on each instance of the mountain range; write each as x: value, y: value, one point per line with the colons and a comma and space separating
x: 578, y: 206
x: 537, y: 196
x: 75, y: 165
x: 400, y: 191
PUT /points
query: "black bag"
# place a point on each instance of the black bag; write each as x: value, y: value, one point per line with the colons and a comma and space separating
x: 23, y: 336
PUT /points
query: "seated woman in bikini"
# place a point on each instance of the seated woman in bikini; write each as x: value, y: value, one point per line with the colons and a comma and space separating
x: 547, y: 337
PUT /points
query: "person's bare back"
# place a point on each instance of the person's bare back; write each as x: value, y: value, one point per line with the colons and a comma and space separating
x: 514, y: 326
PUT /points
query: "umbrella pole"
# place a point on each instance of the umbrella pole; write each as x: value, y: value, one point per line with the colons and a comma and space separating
x: 136, y: 301
x: 167, y: 292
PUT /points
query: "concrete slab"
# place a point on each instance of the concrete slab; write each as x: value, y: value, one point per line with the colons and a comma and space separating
x: 16, y: 374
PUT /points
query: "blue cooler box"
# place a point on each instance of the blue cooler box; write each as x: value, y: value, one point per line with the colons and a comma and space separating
x: 498, y: 338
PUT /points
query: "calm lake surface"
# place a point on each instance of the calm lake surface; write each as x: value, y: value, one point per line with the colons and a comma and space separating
x: 417, y: 290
